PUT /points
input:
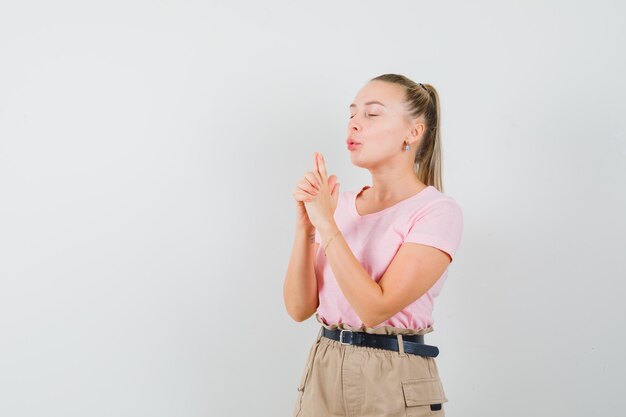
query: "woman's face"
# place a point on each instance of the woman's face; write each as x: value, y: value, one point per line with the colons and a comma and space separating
x: 379, y: 121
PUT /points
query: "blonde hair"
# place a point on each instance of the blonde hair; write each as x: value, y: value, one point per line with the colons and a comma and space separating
x: 423, y: 99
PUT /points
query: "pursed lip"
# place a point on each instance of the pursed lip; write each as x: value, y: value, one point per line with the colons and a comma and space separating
x: 351, y: 141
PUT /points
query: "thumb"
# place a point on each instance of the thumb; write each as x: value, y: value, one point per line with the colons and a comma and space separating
x: 331, y: 181
x: 335, y: 192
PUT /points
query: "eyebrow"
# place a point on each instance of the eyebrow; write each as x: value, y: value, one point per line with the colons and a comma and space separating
x: 368, y: 103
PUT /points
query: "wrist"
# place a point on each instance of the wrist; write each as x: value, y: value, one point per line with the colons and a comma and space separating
x: 305, y: 229
x: 328, y: 230
x: 308, y: 233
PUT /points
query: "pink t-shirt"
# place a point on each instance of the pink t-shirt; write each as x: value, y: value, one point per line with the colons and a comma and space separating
x: 428, y: 217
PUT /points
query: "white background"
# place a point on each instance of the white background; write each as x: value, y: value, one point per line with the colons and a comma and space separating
x: 148, y: 150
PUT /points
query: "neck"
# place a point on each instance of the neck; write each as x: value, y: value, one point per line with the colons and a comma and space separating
x: 394, y: 187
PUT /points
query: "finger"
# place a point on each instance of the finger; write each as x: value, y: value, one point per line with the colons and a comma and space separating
x: 306, y: 186
x: 316, y: 164
x: 318, y: 178
x: 302, y: 196
x: 312, y: 179
x: 321, y: 167
x: 303, y: 189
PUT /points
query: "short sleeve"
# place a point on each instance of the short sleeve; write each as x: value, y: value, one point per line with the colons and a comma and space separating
x: 440, y: 225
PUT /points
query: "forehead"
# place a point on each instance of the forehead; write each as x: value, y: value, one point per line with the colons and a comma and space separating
x: 390, y: 95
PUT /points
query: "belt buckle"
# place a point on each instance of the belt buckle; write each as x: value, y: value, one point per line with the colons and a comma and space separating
x: 341, y: 336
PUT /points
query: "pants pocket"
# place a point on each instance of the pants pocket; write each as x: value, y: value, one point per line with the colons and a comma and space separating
x: 304, y: 378
x: 301, y: 385
x: 424, y: 397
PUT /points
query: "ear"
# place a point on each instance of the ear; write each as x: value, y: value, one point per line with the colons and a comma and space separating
x: 418, y: 130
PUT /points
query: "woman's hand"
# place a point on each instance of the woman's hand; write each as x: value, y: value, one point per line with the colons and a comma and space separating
x: 306, y: 189
x: 321, y: 204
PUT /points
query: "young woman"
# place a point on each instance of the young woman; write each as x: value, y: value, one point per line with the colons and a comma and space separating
x: 384, y: 256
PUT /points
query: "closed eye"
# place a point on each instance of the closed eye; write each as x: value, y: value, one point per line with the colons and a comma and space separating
x: 367, y: 115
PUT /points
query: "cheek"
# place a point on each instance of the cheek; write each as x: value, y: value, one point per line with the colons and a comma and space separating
x: 384, y: 137
x: 392, y: 132
x: 385, y: 129
x: 384, y: 132
x: 389, y: 137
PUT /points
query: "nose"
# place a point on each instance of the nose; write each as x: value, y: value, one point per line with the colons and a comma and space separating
x: 353, y: 126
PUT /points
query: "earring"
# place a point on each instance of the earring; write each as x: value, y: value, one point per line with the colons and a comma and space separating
x: 407, y: 147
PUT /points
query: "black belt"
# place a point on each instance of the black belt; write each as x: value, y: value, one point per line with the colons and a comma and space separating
x: 412, y: 343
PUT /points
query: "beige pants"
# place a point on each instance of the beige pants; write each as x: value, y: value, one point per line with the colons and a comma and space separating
x: 359, y: 381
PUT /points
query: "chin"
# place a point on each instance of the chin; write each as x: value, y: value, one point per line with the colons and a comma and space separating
x: 358, y: 162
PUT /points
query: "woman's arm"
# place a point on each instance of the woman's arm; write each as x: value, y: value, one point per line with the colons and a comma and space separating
x: 414, y: 269
x: 300, y: 288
